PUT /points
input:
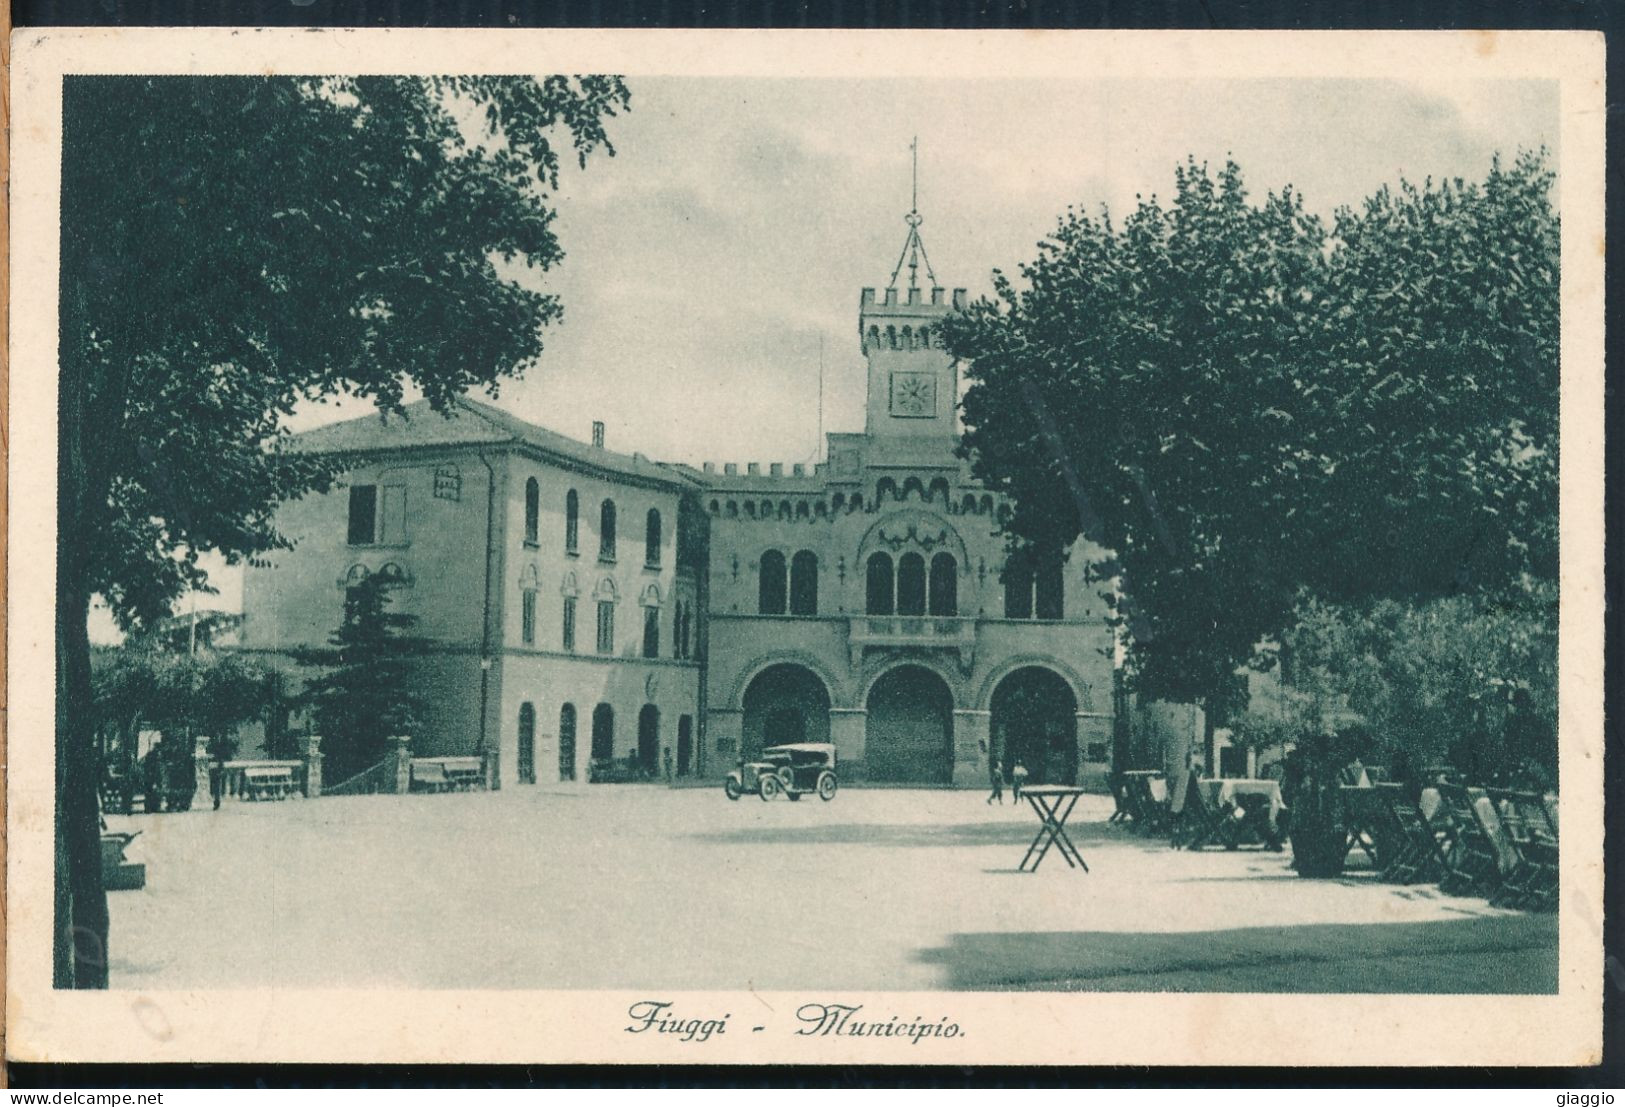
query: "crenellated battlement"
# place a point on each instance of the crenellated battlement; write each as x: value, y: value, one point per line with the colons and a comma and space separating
x: 911, y: 301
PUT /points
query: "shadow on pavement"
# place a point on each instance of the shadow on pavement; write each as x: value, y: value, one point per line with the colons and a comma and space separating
x: 1508, y: 954
x: 938, y: 835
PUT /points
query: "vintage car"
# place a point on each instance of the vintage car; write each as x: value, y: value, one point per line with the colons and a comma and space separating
x: 791, y: 770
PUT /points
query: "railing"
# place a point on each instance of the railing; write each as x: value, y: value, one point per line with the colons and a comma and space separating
x: 261, y: 780
x: 946, y: 630
x: 368, y: 782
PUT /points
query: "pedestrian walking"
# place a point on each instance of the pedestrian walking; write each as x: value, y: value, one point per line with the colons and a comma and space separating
x: 1018, y: 777
x: 995, y: 772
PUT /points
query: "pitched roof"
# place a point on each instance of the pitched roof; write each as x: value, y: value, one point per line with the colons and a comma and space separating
x: 472, y: 423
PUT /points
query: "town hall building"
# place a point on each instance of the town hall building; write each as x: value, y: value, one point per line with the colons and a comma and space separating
x: 599, y: 615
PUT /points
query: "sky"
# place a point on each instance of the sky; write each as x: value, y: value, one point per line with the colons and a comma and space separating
x: 716, y: 260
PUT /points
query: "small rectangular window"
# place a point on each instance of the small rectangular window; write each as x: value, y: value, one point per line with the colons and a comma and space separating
x: 570, y: 623
x: 363, y: 513
x: 651, y: 632
x: 527, y: 617
x: 606, y: 626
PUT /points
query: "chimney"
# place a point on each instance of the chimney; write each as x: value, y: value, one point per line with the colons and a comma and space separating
x: 598, y: 433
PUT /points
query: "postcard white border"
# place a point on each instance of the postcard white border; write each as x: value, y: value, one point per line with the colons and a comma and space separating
x: 999, y: 1028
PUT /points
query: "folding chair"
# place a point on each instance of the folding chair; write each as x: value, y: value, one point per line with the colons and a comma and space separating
x: 1152, y: 804
x: 1201, y: 823
x: 1532, y: 883
x: 1361, y: 815
x: 1123, y: 799
x: 1473, y: 863
x: 1417, y: 858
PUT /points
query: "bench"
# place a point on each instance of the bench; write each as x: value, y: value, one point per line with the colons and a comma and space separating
x: 430, y: 776
x: 267, y: 782
x: 464, y: 773
x: 119, y: 875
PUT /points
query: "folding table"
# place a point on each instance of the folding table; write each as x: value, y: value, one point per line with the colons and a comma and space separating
x: 1052, y: 803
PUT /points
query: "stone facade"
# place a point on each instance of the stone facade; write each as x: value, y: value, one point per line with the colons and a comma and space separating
x: 864, y: 600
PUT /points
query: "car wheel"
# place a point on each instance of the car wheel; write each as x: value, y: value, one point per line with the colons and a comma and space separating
x: 826, y: 786
x: 770, y: 787
x: 731, y: 786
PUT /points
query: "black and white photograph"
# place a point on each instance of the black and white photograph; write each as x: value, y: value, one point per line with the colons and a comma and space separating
x: 821, y: 547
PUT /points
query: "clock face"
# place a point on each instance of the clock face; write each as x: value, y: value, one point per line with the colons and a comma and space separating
x: 914, y: 395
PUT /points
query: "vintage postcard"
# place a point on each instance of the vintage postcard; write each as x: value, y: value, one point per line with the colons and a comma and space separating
x: 806, y: 547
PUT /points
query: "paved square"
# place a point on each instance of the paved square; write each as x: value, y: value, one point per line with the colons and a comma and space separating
x: 644, y: 886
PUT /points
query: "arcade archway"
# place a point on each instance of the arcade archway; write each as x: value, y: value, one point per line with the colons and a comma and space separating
x: 910, y: 732
x: 1034, y: 721
x: 784, y: 703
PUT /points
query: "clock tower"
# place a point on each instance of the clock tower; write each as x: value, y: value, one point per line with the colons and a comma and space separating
x: 913, y: 383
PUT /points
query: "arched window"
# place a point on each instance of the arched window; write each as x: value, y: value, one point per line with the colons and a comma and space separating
x: 804, y: 583
x: 606, y: 531
x: 784, y: 509
x: 533, y: 510
x: 802, y: 510
x: 733, y: 509
x: 944, y: 590
x: 885, y: 490
x: 767, y: 508
x: 925, y: 338
x: 855, y: 503
x: 874, y: 338
x: 1018, y: 586
x: 770, y: 595
x: 649, y: 739
x: 603, y: 733
x: 912, y: 484
x: 527, y: 744
x: 939, y: 491
x: 880, y: 599
x: 750, y: 509
x: 1049, y: 602
x: 572, y: 521
x: 651, y: 538
x: 839, y: 501
x: 908, y: 338
x: 891, y: 337
x: 987, y: 505
x: 528, y: 584
x: 911, y: 584
x: 716, y: 508
x: 567, y: 742
x: 968, y: 506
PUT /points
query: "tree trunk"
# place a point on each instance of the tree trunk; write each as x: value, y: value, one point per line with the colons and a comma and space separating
x: 79, y: 944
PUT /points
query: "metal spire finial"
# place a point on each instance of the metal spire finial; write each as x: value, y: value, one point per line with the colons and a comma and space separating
x: 913, y: 245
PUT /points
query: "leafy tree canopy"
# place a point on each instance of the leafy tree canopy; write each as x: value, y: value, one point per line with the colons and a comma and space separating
x: 236, y: 245
x: 1244, y: 403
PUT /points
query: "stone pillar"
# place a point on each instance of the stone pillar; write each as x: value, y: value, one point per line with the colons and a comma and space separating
x: 848, y: 730
x: 400, y: 753
x: 312, y: 756
x: 489, y: 768
x: 970, y: 735
x: 200, y: 766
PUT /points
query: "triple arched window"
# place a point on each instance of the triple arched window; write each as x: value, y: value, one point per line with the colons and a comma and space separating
x: 911, y: 587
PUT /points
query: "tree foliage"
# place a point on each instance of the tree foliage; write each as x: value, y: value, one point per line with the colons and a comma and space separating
x: 232, y: 247
x: 1243, y: 403
x: 240, y: 244
x: 369, y: 695
x: 207, y: 694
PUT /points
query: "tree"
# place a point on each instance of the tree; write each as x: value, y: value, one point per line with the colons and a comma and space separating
x: 236, y: 246
x: 369, y: 696
x: 1243, y: 405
